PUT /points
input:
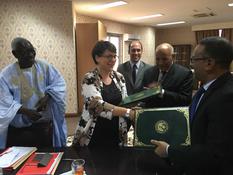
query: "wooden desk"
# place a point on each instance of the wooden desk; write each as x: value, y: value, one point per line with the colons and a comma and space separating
x: 122, y: 161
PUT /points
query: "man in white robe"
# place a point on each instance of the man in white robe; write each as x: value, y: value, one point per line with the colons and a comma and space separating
x: 32, y: 92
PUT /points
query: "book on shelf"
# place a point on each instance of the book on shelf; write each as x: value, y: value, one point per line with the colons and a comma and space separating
x: 32, y: 165
x: 14, y: 156
x: 137, y: 97
x: 166, y: 124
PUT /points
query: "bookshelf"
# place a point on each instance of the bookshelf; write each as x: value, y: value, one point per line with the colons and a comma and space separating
x: 182, y: 54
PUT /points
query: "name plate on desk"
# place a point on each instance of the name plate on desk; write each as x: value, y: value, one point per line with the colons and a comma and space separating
x: 166, y: 124
x: 141, y: 95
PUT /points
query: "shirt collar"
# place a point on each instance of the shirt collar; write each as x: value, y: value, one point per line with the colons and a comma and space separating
x: 207, y: 85
x: 137, y: 64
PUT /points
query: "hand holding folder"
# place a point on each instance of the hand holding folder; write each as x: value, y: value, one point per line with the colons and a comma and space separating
x: 131, y: 100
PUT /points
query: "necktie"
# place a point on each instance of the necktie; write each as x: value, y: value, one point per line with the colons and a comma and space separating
x: 134, y: 73
x: 163, y: 74
x: 195, y: 100
x: 161, y: 77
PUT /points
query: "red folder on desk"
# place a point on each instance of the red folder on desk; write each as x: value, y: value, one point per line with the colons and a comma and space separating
x: 31, y: 165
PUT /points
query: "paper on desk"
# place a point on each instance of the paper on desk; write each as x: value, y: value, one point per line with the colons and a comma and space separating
x: 13, y: 154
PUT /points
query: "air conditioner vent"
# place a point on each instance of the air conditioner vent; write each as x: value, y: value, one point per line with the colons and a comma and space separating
x: 202, y: 15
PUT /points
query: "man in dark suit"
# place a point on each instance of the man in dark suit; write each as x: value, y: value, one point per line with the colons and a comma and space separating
x: 211, y: 150
x: 133, y: 70
x: 176, y: 80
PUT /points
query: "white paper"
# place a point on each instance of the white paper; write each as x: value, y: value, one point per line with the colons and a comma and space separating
x: 12, y: 155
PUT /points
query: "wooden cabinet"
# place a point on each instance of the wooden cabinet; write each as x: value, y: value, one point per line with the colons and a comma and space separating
x: 182, y: 54
x: 87, y: 34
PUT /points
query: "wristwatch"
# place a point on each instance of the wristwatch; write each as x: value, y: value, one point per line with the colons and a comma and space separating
x: 162, y: 93
x: 127, y: 113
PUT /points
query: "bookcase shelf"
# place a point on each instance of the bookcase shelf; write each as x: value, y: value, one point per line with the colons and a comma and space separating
x: 182, y: 54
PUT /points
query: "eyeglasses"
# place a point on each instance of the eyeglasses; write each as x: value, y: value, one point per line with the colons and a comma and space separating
x: 194, y: 58
x: 110, y: 57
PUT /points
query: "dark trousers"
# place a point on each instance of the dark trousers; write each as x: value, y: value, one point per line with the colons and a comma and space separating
x: 38, y: 134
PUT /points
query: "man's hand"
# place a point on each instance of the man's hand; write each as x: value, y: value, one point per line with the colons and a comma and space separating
x: 41, y: 105
x: 30, y: 113
x: 160, y: 148
x: 153, y: 84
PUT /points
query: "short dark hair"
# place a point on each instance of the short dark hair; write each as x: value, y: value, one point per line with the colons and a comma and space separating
x: 100, y: 47
x: 19, y: 42
x: 220, y: 49
x: 131, y: 44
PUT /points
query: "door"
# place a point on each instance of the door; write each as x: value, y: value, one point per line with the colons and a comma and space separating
x: 87, y: 34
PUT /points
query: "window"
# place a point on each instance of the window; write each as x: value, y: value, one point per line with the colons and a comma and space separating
x: 117, y: 41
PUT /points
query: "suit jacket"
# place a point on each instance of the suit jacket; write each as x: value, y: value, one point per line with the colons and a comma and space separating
x: 211, y: 133
x: 177, y: 84
x: 126, y: 70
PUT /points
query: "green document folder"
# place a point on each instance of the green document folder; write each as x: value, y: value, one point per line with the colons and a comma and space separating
x: 166, y: 124
x: 141, y: 95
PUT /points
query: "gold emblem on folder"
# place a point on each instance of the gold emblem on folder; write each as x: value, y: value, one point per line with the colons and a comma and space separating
x: 161, y: 126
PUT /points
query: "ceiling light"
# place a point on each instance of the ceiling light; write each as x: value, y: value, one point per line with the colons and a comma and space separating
x: 108, y: 5
x: 230, y: 5
x: 171, y: 23
x: 146, y: 17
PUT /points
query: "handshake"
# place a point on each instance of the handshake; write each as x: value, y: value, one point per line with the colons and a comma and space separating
x: 96, y: 106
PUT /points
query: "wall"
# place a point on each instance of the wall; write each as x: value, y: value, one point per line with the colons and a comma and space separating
x: 222, y: 25
x: 48, y: 24
x: 146, y: 34
x: 179, y: 35
x: 186, y: 35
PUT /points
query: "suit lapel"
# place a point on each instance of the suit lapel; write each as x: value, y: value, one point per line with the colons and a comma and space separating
x: 215, y: 85
x: 156, y: 74
x: 129, y: 74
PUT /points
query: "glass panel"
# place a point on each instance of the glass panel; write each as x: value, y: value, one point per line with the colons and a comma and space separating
x: 116, y: 41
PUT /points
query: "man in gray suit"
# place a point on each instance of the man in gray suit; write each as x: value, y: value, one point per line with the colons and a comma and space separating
x: 133, y: 70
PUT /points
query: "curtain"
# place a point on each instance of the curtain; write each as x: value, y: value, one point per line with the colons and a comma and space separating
x: 205, y: 33
x: 226, y: 33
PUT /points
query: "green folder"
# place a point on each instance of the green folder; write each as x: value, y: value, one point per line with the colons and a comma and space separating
x: 166, y: 124
x: 141, y: 95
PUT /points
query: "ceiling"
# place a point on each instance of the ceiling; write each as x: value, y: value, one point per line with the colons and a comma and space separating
x: 180, y: 10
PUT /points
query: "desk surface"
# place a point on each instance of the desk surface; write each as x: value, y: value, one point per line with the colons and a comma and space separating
x: 122, y: 161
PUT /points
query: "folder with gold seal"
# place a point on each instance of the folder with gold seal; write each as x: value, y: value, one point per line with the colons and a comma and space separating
x: 136, y: 97
x: 166, y: 124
